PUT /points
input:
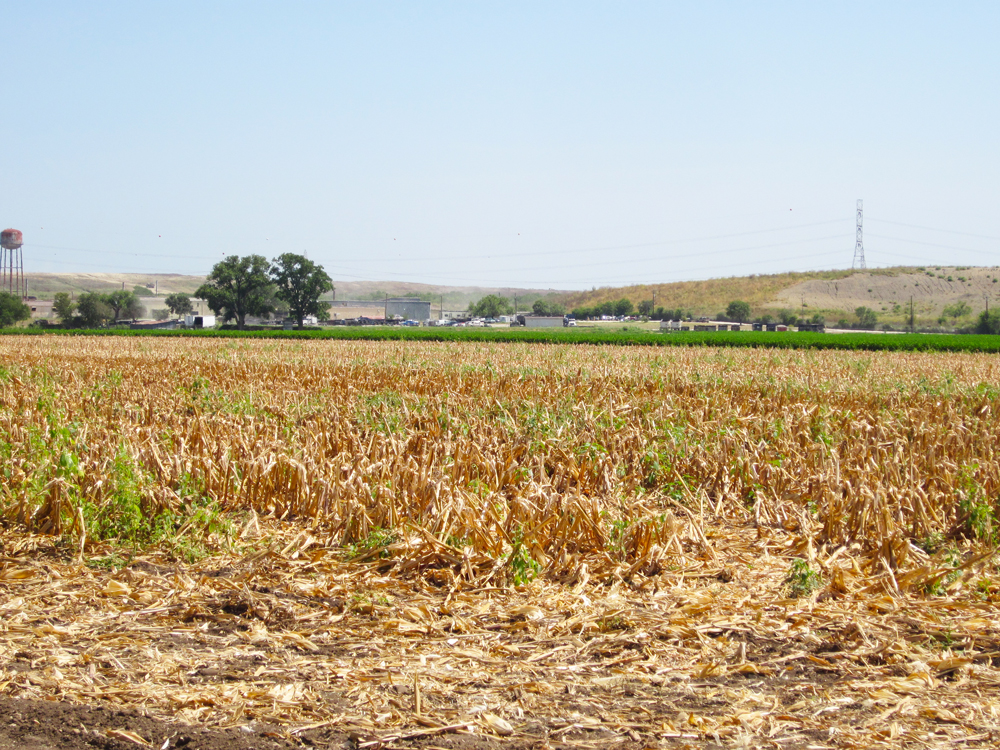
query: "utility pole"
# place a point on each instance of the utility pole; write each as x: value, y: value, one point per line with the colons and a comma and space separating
x: 859, y: 245
x: 441, y: 315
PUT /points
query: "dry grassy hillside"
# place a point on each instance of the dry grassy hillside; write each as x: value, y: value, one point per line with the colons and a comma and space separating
x: 45, y: 285
x: 706, y: 296
x: 888, y: 291
x: 833, y: 293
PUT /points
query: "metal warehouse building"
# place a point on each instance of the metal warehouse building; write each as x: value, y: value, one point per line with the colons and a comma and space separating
x: 408, y: 308
x: 541, y: 321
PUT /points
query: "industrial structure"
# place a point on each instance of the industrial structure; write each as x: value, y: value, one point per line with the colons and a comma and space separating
x: 541, y: 321
x: 859, y: 245
x: 407, y: 308
x: 12, y: 278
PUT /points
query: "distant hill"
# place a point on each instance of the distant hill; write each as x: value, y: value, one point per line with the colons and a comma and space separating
x: 46, y: 285
x: 834, y: 294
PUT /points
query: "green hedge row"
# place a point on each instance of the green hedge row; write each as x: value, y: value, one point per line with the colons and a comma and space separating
x: 785, y: 340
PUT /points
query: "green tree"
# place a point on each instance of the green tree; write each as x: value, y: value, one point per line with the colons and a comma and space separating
x: 12, y: 310
x: 958, y: 310
x: 237, y: 287
x: 93, y: 310
x: 623, y: 307
x: 491, y: 306
x: 787, y: 317
x: 738, y: 310
x: 989, y: 322
x: 866, y: 317
x: 645, y: 307
x: 63, y: 306
x: 300, y: 283
x: 124, y: 304
x: 179, y: 304
x: 544, y: 307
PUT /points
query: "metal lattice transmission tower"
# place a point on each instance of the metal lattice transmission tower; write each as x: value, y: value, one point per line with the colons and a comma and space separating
x: 859, y: 245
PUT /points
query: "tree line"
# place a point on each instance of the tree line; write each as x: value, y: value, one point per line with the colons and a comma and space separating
x: 97, y: 309
x: 236, y: 287
x: 249, y: 285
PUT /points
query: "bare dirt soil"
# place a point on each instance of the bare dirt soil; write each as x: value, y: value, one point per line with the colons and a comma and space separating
x: 290, y: 646
x: 884, y: 290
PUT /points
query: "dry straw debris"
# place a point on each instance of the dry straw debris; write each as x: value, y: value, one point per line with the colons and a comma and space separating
x: 395, y: 544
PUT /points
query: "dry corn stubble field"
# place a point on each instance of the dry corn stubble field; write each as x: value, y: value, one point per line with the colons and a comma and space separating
x: 225, y: 544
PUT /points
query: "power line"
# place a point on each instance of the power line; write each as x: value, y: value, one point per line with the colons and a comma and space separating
x: 935, y: 244
x: 415, y: 278
x: 113, y: 252
x: 932, y: 229
x: 568, y: 251
x: 607, y: 248
x: 621, y: 261
x: 543, y: 283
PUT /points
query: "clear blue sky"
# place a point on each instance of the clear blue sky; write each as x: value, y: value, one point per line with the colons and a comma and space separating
x: 554, y: 144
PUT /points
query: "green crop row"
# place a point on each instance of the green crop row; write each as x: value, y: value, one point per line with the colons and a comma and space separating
x: 784, y: 340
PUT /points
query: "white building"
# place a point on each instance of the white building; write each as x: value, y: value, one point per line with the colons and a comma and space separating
x: 199, y: 321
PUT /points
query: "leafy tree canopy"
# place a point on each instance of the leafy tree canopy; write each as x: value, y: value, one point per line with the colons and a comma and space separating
x: 738, y: 310
x: 623, y: 307
x: 93, y: 310
x: 787, y: 317
x: 63, y: 306
x: 237, y: 287
x: 867, y: 317
x: 179, y: 304
x: 989, y: 322
x: 544, y: 307
x: 958, y: 310
x: 12, y: 310
x: 124, y: 304
x: 491, y: 306
x: 300, y: 283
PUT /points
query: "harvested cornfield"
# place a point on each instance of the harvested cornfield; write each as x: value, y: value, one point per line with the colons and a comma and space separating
x: 395, y: 543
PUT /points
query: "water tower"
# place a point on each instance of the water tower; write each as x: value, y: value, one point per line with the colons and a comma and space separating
x: 12, y: 278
